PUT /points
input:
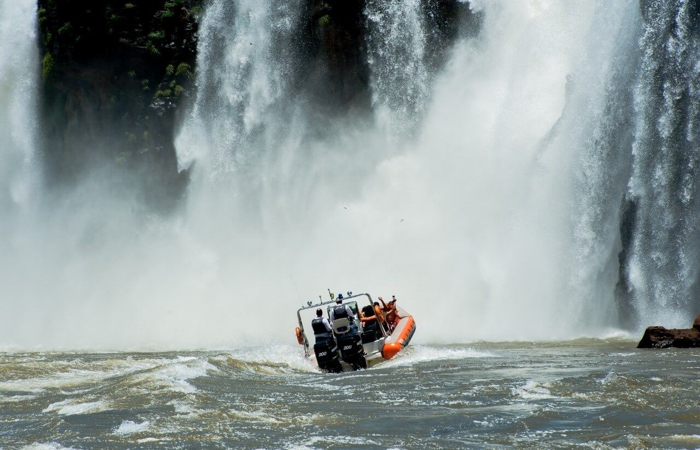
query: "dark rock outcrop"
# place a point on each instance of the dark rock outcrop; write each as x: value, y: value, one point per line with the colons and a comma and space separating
x: 114, y: 75
x: 660, y: 337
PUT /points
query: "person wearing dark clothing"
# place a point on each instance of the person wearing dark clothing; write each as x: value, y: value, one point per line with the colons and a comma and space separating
x: 343, y: 311
x: 322, y: 328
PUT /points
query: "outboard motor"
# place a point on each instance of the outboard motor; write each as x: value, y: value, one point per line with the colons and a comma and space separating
x: 327, y: 356
x: 352, y: 351
x: 326, y: 350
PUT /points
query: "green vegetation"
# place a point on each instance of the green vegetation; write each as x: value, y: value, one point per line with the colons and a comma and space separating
x: 196, y: 11
x: 146, y: 49
x: 324, y: 20
x: 47, y: 66
x: 183, y: 69
x: 65, y: 29
x: 156, y: 35
x: 152, y: 49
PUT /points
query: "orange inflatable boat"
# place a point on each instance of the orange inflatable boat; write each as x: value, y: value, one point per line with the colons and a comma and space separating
x: 355, y: 335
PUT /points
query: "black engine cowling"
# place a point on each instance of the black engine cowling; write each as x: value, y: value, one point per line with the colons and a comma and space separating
x: 352, y: 351
x: 328, y: 356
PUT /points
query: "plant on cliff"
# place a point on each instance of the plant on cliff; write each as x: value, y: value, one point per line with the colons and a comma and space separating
x: 47, y: 66
x: 152, y: 49
x: 183, y: 69
x: 156, y: 35
x: 65, y: 29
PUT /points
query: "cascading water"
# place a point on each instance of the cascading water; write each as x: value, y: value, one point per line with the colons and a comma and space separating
x: 543, y: 184
x: 18, y: 74
x: 397, y: 58
x: 665, y: 256
x: 444, y: 199
x: 246, y: 65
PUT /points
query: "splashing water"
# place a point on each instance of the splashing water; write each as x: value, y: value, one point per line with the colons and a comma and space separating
x: 18, y: 85
x: 543, y: 185
x: 397, y: 47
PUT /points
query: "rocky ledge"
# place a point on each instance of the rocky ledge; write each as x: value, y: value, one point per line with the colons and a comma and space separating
x: 660, y: 337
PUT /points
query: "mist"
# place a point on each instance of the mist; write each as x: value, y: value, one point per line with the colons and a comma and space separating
x: 484, y: 193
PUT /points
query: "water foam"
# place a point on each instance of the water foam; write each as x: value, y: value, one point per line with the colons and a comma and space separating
x: 532, y: 390
x: 46, y: 446
x: 274, y: 359
x: 129, y: 427
x: 174, y: 375
x: 416, y: 354
x: 72, y: 407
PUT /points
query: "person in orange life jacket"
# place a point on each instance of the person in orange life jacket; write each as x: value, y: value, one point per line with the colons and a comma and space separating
x: 378, y: 315
x: 392, y: 315
x: 322, y: 328
x: 382, y: 309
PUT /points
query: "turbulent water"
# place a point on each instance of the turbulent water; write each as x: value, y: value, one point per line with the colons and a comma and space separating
x: 534, y: 180
x: 600, y: 394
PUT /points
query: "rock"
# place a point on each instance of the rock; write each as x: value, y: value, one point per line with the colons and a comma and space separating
x: 696, y: 324
x: 660, y: 337
x: 117, y: 76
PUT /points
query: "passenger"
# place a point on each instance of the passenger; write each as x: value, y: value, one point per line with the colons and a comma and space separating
x: 383, y: 304
x: 341, y: 311
x: 379, y: 315
x: 381, y: 312
x: 322, y: 328
x: 392, y: 315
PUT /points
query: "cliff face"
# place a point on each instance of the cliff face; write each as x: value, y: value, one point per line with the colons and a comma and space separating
x: 118, y: 76
x: 115, y: 74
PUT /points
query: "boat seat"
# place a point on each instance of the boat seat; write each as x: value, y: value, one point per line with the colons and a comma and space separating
x: 341, y: 326
x: 371, y: 331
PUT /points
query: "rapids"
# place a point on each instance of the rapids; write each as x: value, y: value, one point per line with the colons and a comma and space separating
x: 601, y: 394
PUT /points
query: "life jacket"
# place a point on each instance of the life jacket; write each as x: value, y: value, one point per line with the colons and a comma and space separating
x: 320, y: 328
x: 340, y: 312
x: 378, y: 313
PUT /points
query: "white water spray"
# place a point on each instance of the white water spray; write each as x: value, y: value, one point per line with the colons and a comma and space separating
x: 496, y: 216
x: 18, y: 87
x: 397, y: 53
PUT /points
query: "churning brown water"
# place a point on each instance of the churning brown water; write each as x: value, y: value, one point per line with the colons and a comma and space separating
x: 595, y: 393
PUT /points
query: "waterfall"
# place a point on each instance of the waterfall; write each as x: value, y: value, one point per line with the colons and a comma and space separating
x: 18, y: 83
x: 537, y: 180
x: 246, y: 63
x: 471, y: 207
x: 397, y: 58
x: 664, y: 261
